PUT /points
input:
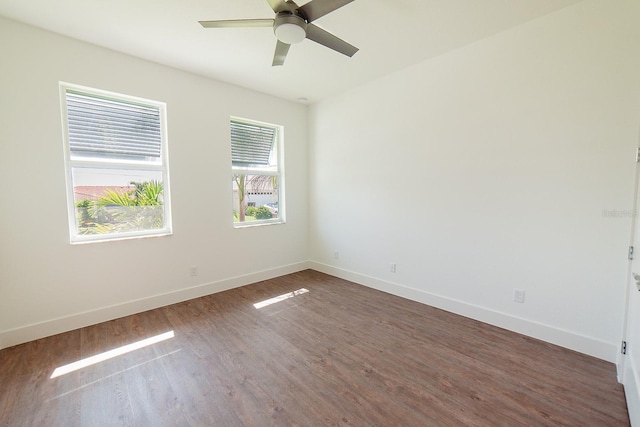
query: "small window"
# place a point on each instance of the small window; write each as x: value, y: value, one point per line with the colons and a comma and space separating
x: 256, y: 165
x: 116, y: 165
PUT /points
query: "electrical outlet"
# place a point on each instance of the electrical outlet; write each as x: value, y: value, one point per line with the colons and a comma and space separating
x: 193, y: 270
x: 518, y: 295
x: 336, y: 255
x: 392, y: 267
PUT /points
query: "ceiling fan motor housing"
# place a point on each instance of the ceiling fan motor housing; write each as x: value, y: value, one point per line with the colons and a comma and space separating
x: 290, y: 28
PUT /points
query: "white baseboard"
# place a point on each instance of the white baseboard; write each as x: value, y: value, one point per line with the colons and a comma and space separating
x: 563, y: 338
x: 567, y: 339
x: 35, y: 331
x: 631, y: 391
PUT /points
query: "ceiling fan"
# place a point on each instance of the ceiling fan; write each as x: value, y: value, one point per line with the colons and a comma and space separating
x: 292, y: 24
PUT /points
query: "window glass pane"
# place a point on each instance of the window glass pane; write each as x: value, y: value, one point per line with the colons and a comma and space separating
x: 255, y: 198
x: 113, y: 201
x: 117, y: 184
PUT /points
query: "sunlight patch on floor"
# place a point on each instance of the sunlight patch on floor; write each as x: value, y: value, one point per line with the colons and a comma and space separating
x: 280, y: 298
x: 62, y: 370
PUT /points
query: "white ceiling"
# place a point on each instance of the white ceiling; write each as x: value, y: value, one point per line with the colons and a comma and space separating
x: 391, y: 35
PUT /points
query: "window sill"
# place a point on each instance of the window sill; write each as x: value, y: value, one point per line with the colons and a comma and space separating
x: 119, y: 237
x: 257, y: 223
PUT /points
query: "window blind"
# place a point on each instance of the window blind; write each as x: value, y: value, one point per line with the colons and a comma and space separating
x: 251, y: 144
x: 106, y: 128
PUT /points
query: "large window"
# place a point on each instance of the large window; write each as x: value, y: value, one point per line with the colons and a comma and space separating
x: 116, y: 165
x: 256, y: 163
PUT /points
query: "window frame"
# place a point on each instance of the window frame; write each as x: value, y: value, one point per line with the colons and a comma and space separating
x: 112, y: 164
x: 278, y: 172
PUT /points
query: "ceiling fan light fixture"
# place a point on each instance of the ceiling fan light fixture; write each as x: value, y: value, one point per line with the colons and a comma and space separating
x: 290, y: 29
x: 292, y: 24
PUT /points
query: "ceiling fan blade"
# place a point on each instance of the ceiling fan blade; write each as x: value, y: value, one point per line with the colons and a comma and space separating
x: 318, y: 8
x: 281, y: 53
x: 237, y: 23
x: 282, y: 5
x: 327, y: 39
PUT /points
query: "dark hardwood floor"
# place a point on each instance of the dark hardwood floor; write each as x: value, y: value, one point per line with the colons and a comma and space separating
x: 339, y: 354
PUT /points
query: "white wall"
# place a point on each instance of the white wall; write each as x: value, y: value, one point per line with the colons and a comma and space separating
x: 488, y: 169
x: 48, y: 285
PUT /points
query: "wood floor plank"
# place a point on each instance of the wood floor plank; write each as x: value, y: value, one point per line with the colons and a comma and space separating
x: 336, y: 354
